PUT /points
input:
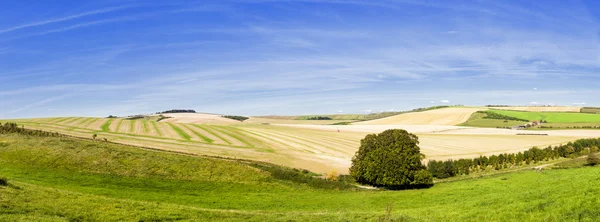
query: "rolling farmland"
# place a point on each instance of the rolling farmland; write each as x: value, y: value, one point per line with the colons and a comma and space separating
x: 319, y: 148
x: 574, y: 109
x: 553, y: 117
x: 446, y: 116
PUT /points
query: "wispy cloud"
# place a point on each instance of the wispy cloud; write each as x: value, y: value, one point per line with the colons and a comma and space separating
x: 38, y: 103
x: 63, y: 19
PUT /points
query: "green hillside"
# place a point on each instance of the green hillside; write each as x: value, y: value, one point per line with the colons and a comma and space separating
x: 67, y: 179
x: 552, y: 117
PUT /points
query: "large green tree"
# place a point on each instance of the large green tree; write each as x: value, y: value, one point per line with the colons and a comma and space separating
x: 391, y: 159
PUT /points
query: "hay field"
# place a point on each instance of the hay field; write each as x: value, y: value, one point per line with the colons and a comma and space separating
x: 575, y: 109
x: 319, y: 148
x: 197, y: 118
x: 446, y: 116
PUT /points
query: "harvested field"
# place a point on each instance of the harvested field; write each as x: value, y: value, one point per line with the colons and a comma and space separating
x: 319, y: 148
x: 261, y: 120
x: 445, y: 116
x: 542, y: 109
x: 197, y: 118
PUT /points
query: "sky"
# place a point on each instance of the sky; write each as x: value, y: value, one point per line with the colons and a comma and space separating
x: 286, y: 57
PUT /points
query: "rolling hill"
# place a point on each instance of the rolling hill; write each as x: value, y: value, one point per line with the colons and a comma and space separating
x: 69, y: 179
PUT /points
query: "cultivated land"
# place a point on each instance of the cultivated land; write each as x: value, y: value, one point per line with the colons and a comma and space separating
x: 575, y: 109
x: 446, y: 116
x: 65, y: 179
x: 306, y: 144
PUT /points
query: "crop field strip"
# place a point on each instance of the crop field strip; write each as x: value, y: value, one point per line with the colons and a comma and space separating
x: 197, y: 134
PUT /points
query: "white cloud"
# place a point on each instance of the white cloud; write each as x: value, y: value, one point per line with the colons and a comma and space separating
x: 445, y: 101
x: 67, y: 18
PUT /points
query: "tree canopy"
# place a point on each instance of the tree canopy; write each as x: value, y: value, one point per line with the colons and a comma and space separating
x: 391, y: 159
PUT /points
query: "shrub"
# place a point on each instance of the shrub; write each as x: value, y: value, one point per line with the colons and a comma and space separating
x: 593, y: 160
x: 3, y: 181
x: 391, y: 159
x: 332, y: 175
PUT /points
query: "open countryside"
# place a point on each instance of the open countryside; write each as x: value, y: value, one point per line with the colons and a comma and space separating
x: 316, y: 145
x: 299, y: 110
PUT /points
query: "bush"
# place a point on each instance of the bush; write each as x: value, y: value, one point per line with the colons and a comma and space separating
x: 3, y: 181
x: 238, y: 118
x: 333, y: 175
x: 391, y: 159
x: 593, y: 160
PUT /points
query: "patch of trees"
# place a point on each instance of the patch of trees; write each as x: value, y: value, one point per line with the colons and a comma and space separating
x: 450, y: 168
x: 497, y: 106
x: 111, y: 117
x: 238, y: 118
x: 135, y: 117
x: 391, y: 159
x: 342, y: 123
x: 14, y: 128
x: 178, y: 111
x: 493, y: 115
x: 317, y: 118
x: 593, y: 110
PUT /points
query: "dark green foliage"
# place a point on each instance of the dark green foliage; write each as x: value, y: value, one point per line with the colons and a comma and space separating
x: 178, y: 111
x: 450, y: 168
x: 111, y: 116
x: 592, y: 160
x: 14, y: 128
x: 594, y: 110
x: 304, y: 177
x: 161, y: 117
x: 238, y: 118
x: 493, y: 115
x: 3, y: 181
x: 391, y: 159
x: 316, y: 118
x: 342, y: 123
x: 135, y: 117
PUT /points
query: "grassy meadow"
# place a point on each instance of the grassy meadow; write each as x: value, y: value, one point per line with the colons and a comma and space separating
x: 67, y: 179
x: 552, y: 117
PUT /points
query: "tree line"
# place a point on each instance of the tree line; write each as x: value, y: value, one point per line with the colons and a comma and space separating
x: 8, y: 128
x: 238, y: 118
x: 493, y: 115
x: 451, y: 168
x: 178, y: 111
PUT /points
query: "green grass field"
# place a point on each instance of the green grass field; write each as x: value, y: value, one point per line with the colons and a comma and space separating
x: 552, y: 117
x: 64, y: 179
x: 477, y: 120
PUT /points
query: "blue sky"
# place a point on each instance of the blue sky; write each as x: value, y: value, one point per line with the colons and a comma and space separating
x: 261, y: 57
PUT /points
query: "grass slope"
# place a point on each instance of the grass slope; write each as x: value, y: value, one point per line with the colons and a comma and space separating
x: 64, y: 179
x: 477, y: 120
x: 552, y: 117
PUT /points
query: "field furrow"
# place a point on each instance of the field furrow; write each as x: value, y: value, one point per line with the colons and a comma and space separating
x: 96, y: 124
x: 209, y: 136
x: 226, y: 137
x: 154, y: 128
x: 125, y: 126
x: 167, y: 131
